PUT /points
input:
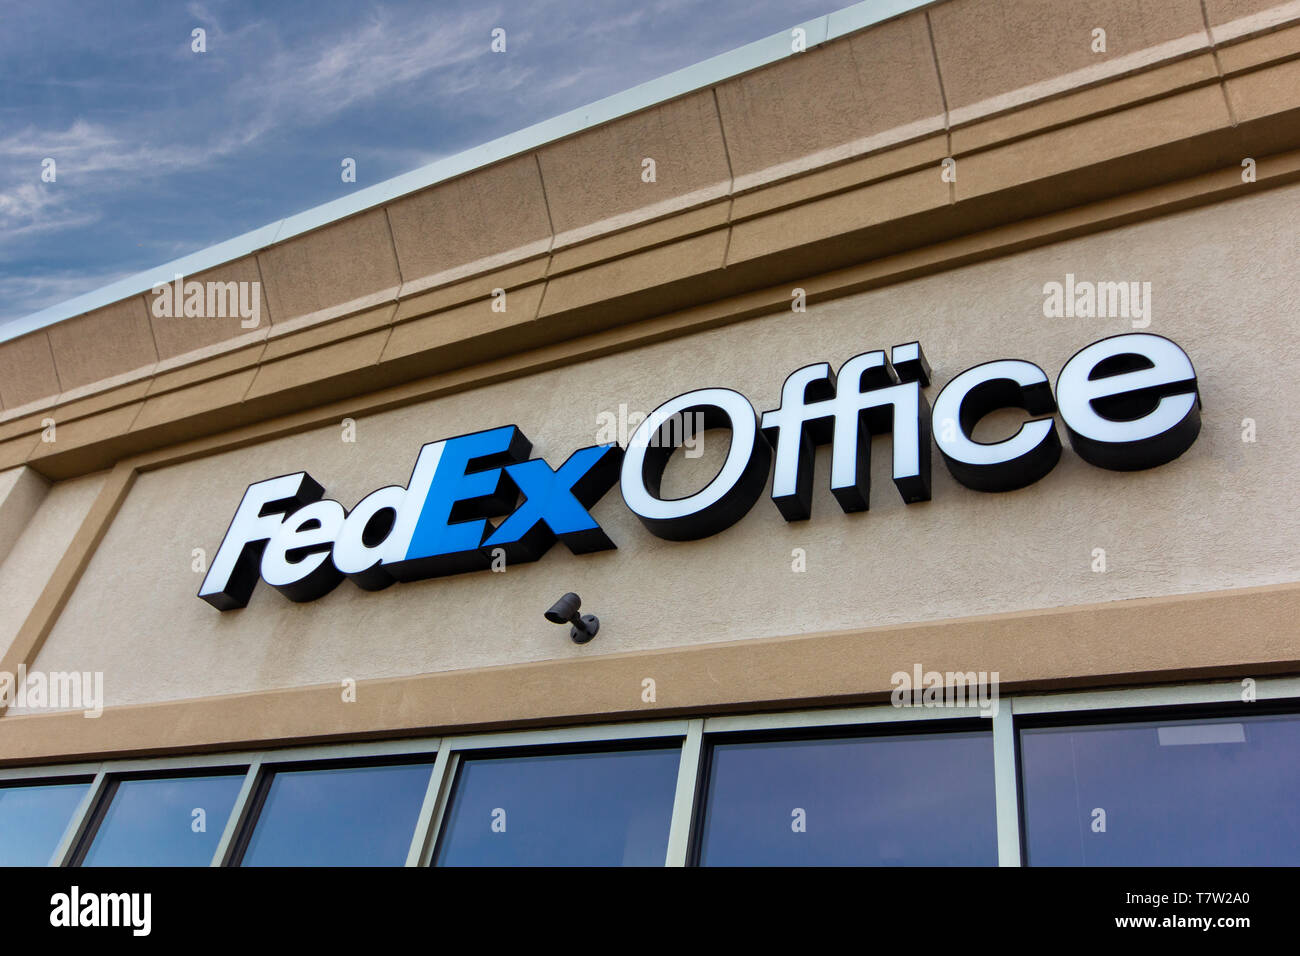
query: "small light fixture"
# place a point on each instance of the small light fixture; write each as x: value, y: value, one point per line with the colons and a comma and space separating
x: 565, y: 611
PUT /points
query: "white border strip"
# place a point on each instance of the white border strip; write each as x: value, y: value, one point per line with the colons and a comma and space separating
x: 1006, y: 788
x: 849, y: 716
x: 595, y: 733
x: 238, y: 811
x: 701, y: 75
x: 1265, y: 688
x: 80, y: 819
x: 440, y: 808
x: 426, y: 824
x: 688, y: 771
x: 37, y: 774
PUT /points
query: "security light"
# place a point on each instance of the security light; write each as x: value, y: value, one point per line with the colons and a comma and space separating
x: 565, y: 610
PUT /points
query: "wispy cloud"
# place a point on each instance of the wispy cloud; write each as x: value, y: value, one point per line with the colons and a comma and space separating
x: 86, y: 148
x: 27, y: 209
x: 158, y: 147
x: 322, y: 77
x: 24, y: 294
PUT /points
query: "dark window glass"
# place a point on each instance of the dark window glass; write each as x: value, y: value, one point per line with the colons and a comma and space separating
x: 904, y: 800
x: 585, y: 809
x: 339, y: 816
x: 153, y: 822
x: 1216, y: 792
x: 33, y: 820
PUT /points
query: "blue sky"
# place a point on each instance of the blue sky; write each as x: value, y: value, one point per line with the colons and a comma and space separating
x: 161, y: 151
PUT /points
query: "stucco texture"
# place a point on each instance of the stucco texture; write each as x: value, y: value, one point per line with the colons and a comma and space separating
x: 1224, y: 287
x: 38, y: 545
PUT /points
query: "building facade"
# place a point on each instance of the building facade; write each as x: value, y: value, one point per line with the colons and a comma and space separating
x: 1020, y: 653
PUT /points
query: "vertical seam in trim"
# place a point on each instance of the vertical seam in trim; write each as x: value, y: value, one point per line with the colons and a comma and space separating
x: 550, y: 247
x: 266, y: 342
x: 397, y: 299
x: 943, y: 98
x: 148, y: 319
x: 261, y: 288
x: 27, y: 459
x: 726, y: 248
x: 157, y: 357
x: 58, y: 379
x: 731, y: 174
x: 550, y: 222
x: 1218, y: 67
x: 392, y: 240
x: 726, y: 150
x: 546, y: 284
x: 139, y: 410
x: 392, y: 319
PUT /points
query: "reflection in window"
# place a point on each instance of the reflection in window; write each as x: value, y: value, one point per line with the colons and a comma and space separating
x: 583, y: 809
x: 1214, y: 792
x: 33, y: 820
x: 348, y: 816
x: 172, y: 821
x: 903, y: 800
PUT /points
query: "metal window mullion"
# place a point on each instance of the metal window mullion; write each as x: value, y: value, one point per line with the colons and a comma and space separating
x: 688, y: 769
x: 440, y: 806
x: 425, y: 824
x: 237, y: 812
x: 80, y: 820
x: 1005, y: 790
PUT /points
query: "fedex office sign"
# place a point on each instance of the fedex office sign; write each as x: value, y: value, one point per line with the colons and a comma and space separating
x: 1127, y: 402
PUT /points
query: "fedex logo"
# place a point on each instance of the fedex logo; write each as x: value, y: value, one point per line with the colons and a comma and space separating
x: 1127, y: 402
x: 304, y: 544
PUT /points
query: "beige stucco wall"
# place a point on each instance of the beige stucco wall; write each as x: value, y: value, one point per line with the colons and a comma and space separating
x: 1224, y: 287
x: 40, y: 531
x: 21, y: 492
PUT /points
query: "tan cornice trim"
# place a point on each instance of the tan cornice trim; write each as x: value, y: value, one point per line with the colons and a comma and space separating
x: 1096, y: 645
x: 218, y: 405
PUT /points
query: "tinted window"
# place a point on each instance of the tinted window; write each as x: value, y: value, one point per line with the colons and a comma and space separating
x: 1218, y: 792
x: 599, y: 809
x: 33, y: 819
x: 350, y: 816
x: 155, y: 823
x: 907, y: 800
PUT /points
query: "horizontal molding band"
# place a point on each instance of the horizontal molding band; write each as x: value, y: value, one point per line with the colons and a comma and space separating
x: 246, y: 398
x: 1039, y: 650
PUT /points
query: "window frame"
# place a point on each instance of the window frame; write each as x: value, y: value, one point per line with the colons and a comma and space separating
x: 655, y: 739
x: 251, y: 811
x: 1139, y: 709
x: 873, y: 727
x: 56, y: 776
x: 107, y: 792
x: 1164, y: 702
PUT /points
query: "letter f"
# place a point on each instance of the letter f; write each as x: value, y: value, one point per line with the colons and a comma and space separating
x: 234, y: 571
x: 869, y: 396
